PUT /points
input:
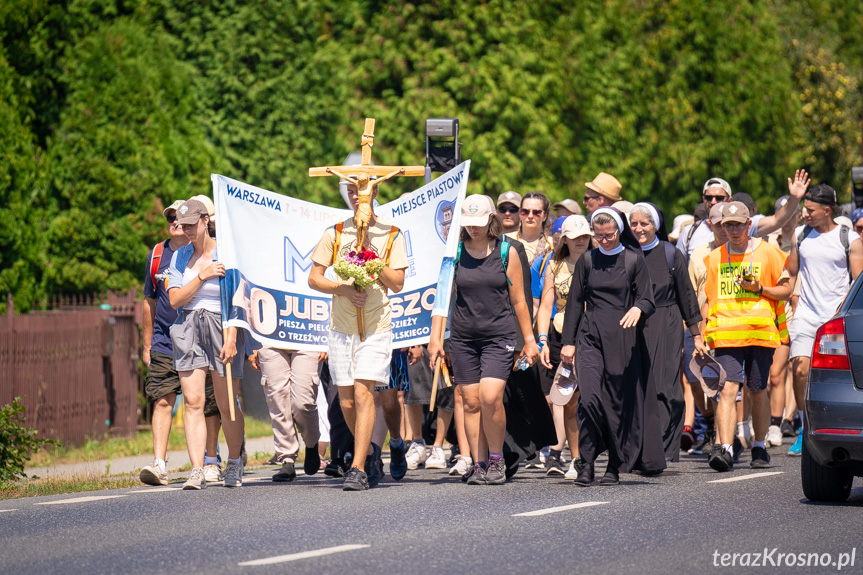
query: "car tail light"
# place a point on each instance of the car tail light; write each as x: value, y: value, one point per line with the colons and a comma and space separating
x: 830, y: 351
x: 840, y: 431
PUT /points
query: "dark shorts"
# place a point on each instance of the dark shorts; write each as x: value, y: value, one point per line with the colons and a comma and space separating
x: 421, y: 381
x: 399, y: 377
x: 477, y: 359
x: 751, y: 363
x: 163, y: 379
x: 210, y: 406
x: 421, y: 377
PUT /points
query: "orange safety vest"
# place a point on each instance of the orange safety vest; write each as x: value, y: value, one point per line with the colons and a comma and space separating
x: 740, y: 318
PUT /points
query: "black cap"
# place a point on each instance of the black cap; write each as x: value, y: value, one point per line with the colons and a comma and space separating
x: 821, y: 194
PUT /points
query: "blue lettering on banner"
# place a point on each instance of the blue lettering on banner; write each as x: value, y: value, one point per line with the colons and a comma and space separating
x: 288, y: 317
x: 422, y: 199
x: 411, y: 314
x: 254, y: 198
x: 293, y: 258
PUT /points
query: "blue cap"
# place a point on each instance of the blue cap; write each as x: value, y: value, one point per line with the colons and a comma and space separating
x: 558, y: 224
x: 856, y: 215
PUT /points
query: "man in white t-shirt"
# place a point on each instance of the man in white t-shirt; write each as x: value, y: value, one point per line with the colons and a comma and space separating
x: 826, y: 270
x: 718, y: 190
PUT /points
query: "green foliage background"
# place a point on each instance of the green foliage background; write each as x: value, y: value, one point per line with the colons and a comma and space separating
x: 111, y: 109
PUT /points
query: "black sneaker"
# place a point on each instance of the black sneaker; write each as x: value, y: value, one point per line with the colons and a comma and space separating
x: 398, y: 463
x: 553, y: 466
x: 585, y: 475
x: 496, y: 472
x: 611, y: 477
x: 687, y: 439
x: 511, y: 460
x: 312, y: 463
x: 736, y: 449
x: 374, y: 466
x: 336, y: 468
x: 286, y: 474
x: 787, y: 428
x: 355, y: 480
x: 760, y: 458
x: 720, y: 460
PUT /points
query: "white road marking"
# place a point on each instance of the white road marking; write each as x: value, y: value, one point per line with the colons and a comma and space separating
x: 745, y: 477
x: 7, y: 510
x: 82, y: 499
x: 559, y: 509
x: 303, y: 555
x: 156, y: 490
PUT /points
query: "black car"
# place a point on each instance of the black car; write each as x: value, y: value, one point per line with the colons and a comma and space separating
x: 833, y: 411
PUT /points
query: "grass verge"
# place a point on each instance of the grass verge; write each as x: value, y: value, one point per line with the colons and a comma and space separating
x: 141, y: 444
x: 61, y: 485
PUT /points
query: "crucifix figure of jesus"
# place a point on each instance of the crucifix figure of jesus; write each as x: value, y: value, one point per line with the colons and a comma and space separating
x: 361, y: 177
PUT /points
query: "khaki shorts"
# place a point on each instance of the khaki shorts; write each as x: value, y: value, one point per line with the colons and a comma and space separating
x: 163, y: 379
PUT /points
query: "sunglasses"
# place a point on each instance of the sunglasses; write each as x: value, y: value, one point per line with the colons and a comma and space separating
x: 171, y: 219
x: 536, y: 213
x: 507, y: 209
x: 711, y: 199
x: 588, y: 198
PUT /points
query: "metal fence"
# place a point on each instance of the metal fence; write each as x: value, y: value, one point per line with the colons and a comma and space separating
x: 75, y: 366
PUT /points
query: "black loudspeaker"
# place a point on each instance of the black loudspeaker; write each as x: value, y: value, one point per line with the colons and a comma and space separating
x: 442, y: 146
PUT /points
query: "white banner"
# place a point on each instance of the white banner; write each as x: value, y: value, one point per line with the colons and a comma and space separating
x: 266, y: 241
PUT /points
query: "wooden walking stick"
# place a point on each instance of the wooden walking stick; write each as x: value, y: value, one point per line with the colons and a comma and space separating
x: 228, y: 375
x: 438, y: 365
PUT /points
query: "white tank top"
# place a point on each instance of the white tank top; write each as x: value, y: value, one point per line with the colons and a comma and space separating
x: 823, y: 274
x: 207, y: 296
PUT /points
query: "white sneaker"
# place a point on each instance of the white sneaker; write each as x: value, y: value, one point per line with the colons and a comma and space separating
x: 233, y: 474
x: 774, y: 436
x: 436, y: 459
x: 197, y: 480
x: 213, y: 473
x: 463, y: 464
x: 153, y: 475
x: 416, y: 455
x: 572, y: 473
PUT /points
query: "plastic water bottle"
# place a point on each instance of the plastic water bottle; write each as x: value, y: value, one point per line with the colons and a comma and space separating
x: 522, y: 363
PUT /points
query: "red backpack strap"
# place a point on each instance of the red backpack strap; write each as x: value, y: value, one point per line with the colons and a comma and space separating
x: 337, y: 241
x: 154, y: 262
x: 394, y: 231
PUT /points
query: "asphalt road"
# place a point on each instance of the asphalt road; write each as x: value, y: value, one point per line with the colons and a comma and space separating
x: 679, y: 522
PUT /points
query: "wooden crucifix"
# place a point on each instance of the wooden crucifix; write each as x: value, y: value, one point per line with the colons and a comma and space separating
x: 363, y: 180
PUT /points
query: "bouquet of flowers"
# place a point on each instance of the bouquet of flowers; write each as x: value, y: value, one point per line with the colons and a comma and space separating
x: 365, y: 267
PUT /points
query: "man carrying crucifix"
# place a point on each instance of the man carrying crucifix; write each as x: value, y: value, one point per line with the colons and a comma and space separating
x: 358, y: 367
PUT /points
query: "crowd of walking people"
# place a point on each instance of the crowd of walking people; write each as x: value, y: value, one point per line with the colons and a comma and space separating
x: 587, y: 332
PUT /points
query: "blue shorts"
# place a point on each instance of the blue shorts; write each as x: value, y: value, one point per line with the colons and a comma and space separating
x: 751, y: 363
x: 399, y: 378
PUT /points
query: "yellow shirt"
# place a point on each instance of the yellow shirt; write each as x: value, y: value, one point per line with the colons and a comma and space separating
x: 376, y: 312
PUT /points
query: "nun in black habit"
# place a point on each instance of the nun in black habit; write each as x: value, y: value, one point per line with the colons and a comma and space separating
x: 675, y: 302
x: 609, y: 299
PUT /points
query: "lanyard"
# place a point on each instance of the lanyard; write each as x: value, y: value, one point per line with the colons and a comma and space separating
x: 751, y: 255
